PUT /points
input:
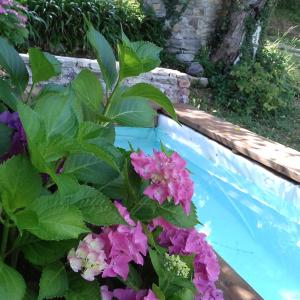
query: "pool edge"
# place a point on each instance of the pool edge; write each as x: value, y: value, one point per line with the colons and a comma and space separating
x: 275, y: 156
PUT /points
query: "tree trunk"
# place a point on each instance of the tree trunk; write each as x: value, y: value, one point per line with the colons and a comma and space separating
x: 228, y: 50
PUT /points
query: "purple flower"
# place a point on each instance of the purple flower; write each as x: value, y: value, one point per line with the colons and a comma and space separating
x: 187, y: 241
x: 168, y: 176
x: 18, y: 139
x: 126, y: 294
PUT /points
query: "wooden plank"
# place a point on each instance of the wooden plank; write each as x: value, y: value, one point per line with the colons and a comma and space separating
x: 279, y: 158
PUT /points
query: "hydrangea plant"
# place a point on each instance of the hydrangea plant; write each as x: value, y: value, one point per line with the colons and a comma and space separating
x: 79, y: 217
x: 13, y: 21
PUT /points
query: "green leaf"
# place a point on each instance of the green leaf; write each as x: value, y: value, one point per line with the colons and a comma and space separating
x: 26, y: 219
x: 132, y: 111
x: 92, y: 131
x: 102, y: 152
x: 5, y: 135
x: 88, y: 168
x: 35, y: 131
x: 95, y: 207
x: 150, y: 209
x: 53, y: 282
x: 88, y: 89
x: 55, y: 107
x: 150, y: 92
x: 13, y: 64
x: 176, y: 216
x: 158, y: 292
x: 137, y: 57
x: 43, y: 65
x: 57, y: 221
x: 80, y: 289
x: 105, y: 56
x: 42, y: 253
x: 7, y: 95
x: 183, y: 294
x: 12, y: 284
x: 20, y: 184
x: 134, y: 280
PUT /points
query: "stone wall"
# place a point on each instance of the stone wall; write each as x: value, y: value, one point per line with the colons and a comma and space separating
x: 174, y: 84
x: 194, y: 27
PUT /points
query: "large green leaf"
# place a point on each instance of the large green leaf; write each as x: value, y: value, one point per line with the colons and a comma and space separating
x: 42, y: 253
x: 80, y: 289
x: 12, y: 284
x: 133, y: 111
x: 102, y: 152
x: 55, y: 107
x: 54, y: 281
x: 43, y: 65
x: 89, y: 168
x: 20, y: 183
x: 150, y: 92
x: 13, y: 64
x: 5, y: 135
x: 137, y: 57
x: 88, y: 89
x: 105, y: 56
x: 90, y: 131
x: 183, y: 294
x: 95, y: 207
x: 25, y: 219
x: 7, y: 95
x: 35, y: 131
x: 57, y: 221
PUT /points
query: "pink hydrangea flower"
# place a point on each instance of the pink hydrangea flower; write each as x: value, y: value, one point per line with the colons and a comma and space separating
x: 168, y: 175
x: 110, y: 252
x: 89, y: 258
x: 126, y: 294
x: 126, y: 244
x: 187, y: 241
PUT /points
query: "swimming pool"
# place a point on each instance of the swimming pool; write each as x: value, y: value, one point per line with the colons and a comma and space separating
x: 251, y: 215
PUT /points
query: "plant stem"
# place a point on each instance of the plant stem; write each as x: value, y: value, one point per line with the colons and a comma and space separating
x: 108, y: 100
x: 28, y: 100
x: 4, y: 240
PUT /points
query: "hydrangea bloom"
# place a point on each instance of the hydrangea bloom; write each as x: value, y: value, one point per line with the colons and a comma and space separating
x: 10, y: 7
x: 89, y: 258
x: 185, y: 241
x: 118, y: 245
x: 126, y: 294
x: 18, y: 139
x: 125, y: 244
x: 168, y: 175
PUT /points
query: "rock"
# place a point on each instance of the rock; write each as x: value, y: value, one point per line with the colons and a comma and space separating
x: 195, y: 69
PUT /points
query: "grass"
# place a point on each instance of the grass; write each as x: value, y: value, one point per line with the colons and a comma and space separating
x: 284, y: 128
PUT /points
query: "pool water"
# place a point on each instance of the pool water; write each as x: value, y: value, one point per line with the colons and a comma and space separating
x: 251, y: 223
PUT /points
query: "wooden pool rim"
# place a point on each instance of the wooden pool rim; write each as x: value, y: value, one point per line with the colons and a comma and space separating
x: 276, y: 157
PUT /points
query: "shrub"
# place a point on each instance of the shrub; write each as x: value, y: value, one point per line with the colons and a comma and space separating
x: 63, y: 234
x: 13, y: 21
x: 58, y: 25
x: 259, y: 87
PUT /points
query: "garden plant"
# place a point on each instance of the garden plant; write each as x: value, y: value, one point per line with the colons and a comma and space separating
x: 79, y: 217
x: 13, y: 21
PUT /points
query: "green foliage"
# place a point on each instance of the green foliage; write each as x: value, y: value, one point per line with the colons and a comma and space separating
x: 12, y: 284
x: 261, y: 87
x: 68, y: 35
x: 70, y: 141
x: 13, y: 22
